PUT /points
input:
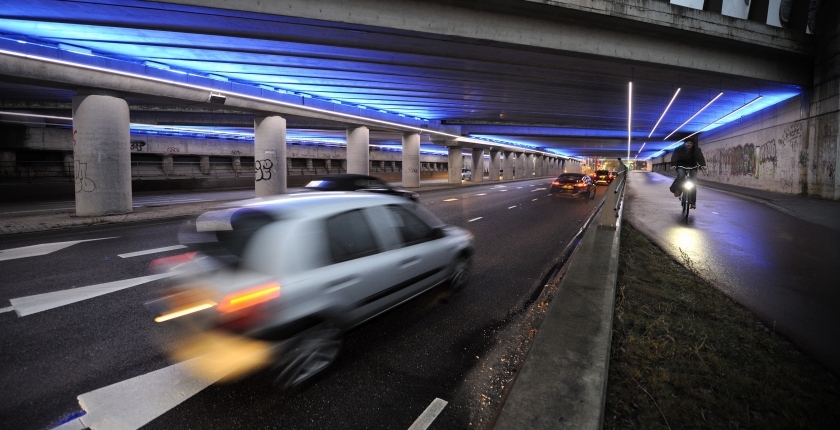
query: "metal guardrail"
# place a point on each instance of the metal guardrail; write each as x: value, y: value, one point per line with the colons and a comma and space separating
x: 614, y: 199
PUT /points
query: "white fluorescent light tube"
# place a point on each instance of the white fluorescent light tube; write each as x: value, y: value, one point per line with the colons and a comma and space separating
x: 640, y: 149
x: 629, y: 118
x: 721, y: 118
x: 36, y: 115
x: 692, y: 116
x: 665, y: 111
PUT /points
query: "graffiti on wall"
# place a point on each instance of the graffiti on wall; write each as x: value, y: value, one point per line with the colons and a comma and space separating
x: 83, y: 183
x: 825, y: 156
x: 262, y: 170
x: 137, y: 145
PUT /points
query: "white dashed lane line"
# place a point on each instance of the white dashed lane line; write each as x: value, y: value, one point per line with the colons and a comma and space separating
x: 42, y: 249
x: 428, y: 416
x: 482, y: 194
x: 511, y: 207
x: 151, y: 251
x: 534, y: 200
x: 475, y: 219
x: 450, y: 200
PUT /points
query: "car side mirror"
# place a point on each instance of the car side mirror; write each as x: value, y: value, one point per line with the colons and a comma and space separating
x: 437, y: 233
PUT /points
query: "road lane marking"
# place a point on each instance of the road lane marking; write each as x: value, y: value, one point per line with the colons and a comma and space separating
x: 41, y: 302
x: 9, y: 309
x: 502, y: 190
x: 450, y: 200
x: 425, y: 419
x: 538, y: 189
x: 475, y: 219
x: 482, y: 194
x: 518, y: 188
x: 534, y: 200
x: 151, y: 251
x: 135, y: 402
x: 511, y: 207
x: 42, y: 249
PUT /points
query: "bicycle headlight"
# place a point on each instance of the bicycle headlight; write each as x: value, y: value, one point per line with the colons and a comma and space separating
x: 688, y: 185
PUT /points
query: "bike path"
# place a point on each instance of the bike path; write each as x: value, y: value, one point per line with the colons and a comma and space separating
x: 775, y: 254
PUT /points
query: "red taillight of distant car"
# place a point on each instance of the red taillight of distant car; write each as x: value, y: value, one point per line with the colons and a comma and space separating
x: 580, y: 184
x: 166, y: 263
x: 249, y: 297
x: 555, y: 183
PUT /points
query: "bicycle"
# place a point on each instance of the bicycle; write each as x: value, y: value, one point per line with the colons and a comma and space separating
x: 689, y: 186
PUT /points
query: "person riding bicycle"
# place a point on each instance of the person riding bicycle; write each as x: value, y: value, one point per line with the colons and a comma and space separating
x: 687, y: 155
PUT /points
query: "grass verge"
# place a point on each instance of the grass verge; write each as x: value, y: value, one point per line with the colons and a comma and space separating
x: 685, y: 356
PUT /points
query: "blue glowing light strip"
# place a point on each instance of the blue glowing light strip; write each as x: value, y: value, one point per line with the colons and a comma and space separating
x: 721, y: 118
x: 692, y: 116
x: 629, y: 118
x: 260, y: 99
x: 665, y: 111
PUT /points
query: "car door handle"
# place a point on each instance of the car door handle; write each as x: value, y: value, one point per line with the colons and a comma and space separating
x: 409, y: 261
x: 341, y: 283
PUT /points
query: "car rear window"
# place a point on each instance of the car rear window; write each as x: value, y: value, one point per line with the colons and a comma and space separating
x: 569, y: 177
x: 350, y: 236
x: 602, y: 172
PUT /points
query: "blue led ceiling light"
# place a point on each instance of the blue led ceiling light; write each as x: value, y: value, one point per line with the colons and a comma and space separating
x: 725, y: 116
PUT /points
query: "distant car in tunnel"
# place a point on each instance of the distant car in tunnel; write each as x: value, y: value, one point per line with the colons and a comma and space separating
x: 276, y: 283
x: 466, y: 174
x: 603, y: 177
x: 575, y: 185
x: 355, y: 182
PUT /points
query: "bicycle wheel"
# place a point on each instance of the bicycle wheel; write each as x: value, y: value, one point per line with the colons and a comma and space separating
x: 685, y: 205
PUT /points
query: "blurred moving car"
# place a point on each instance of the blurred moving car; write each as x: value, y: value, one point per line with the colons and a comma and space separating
x: 355, y: 182
x: 466, y: 174
x: 276, y: 282
x: 577, y: 185
x: 603, y: 177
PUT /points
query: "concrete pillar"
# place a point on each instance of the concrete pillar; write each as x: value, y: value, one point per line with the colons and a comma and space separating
x: 477, y: 165
x: 328, y: 165
x: 309, y: 165
x: 168, y: 165
x: 495, y: 165
x: 382, y: 165
x: 507, y: 170
x: 270, y: 167
x: 236, y: 162
x: 456, y: 163
x: 343, y: 166
x: 204, y: 164
x: 101, y: 154
x: 520, y: 165
x: 358, y: 157
x: 411, y: 160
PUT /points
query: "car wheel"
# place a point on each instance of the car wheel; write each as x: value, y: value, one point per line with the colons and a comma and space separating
x: 314, y: 352
x: 460, y: 273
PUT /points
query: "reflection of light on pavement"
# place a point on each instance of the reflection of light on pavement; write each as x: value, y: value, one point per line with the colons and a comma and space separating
x: 686, y: 239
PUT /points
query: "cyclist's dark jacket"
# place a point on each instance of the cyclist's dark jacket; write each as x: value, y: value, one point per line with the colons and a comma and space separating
x: 688, y: 158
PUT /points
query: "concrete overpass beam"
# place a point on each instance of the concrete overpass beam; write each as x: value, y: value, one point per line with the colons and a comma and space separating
x: 358, y: 155
x: 411, y: 160
x: 456, y: 163
x: 477, y: 165
x: 101, y: 154
x: 269, y: 156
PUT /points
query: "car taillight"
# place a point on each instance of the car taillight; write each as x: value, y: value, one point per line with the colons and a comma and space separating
x: 166, y: 263
x: 555, y: 183
x: 580, y: 184
x: 249, y: 297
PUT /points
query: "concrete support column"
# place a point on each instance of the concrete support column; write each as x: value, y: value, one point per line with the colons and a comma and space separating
x: 236, y: 162
x: 495, y: 165
x: 309, y: 165
x: 520, y: 165
x: 101, y: 154
x: 343, y: 166
x: 167, y: 165
x: 477, y: 165
x: 204, y: 164
x: 270, y: 167
x: 328, y: 165
x: 507, y: 170
x: 411, y: 160
x: 456, y: 163
x: 358, y: 155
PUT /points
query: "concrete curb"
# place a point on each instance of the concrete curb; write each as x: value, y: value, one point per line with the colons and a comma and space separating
x: 563, y: 381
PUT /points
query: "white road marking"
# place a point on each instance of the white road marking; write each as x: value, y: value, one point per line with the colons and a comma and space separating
x: 475, y: 219
x: 428, y: 416
x: 450, y: 200
x: 715, y: 213
x: 482, y: 194
x: 42, y: 249
x: 502, y: 190
x: 132, y: 403
x: 518, y: 188
x: 9, y: 309
x: 511, y: 207
x: 41, y: 302
x: 534, y: 200
x: 538, y: 189
x: 151, y: 251
x: 75, y: 424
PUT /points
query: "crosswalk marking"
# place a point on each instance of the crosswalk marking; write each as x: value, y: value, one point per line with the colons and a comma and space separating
x: 41, y: 302
x: 42, y: 249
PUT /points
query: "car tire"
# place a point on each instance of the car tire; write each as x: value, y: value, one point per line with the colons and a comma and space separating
x: 313, y: 353
x: 460, y: 273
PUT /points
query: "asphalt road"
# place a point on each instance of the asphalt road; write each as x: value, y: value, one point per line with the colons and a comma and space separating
x: 440, y: 345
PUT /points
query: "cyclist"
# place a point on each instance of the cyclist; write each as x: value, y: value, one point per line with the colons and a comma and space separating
x: 687, y: 155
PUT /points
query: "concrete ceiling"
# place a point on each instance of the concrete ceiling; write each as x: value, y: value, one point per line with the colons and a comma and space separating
x: 571, y: 104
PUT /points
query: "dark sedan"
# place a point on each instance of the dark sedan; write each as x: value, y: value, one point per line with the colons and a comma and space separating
x: 576, y: 185
x: 354, y: 182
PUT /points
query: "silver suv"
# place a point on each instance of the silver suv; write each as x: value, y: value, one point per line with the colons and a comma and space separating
x: 276, y: 282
